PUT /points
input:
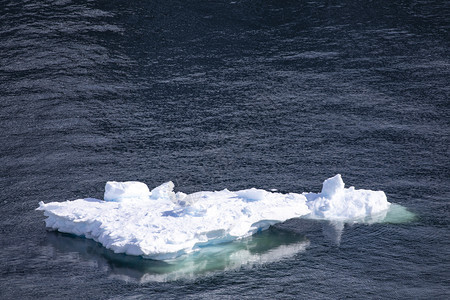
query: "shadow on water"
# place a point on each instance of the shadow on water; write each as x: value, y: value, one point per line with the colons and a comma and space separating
x: 281, y: 241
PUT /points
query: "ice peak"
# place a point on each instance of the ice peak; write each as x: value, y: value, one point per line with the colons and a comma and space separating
x: 164, y: 191
x: 333, y: 186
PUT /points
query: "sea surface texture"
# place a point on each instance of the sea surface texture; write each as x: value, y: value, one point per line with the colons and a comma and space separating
x: 228, y: 94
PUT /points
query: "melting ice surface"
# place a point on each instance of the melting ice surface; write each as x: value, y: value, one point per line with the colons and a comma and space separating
x: 161, y: 224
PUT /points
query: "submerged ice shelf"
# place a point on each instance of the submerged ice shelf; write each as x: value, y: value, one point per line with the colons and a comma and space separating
x: 161, y: 224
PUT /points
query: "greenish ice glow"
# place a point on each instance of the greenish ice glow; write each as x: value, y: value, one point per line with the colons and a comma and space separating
x: 398, y: 214
x: 264, y: 247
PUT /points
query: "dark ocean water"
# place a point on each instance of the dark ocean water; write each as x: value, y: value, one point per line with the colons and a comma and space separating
x: 227, y: 94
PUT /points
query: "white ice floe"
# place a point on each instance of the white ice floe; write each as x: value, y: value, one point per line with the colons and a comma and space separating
x: 162, y: 224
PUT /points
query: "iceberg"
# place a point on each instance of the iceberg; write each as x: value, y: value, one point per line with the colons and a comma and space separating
x: 162, y: 225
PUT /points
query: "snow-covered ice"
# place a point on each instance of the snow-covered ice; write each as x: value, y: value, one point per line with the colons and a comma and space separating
x: 162, y: 224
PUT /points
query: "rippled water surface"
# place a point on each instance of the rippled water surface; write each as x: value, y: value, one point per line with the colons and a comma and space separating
x: 228, y: 94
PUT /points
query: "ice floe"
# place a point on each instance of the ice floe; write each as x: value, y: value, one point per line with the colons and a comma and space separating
x: 161, y: 224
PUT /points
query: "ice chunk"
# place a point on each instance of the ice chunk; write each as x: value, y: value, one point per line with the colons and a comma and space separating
x: 338, y: 203
x: 333, y: 187
x: 120, y: 191
x: 252, y: 194
x: 164, y: 191
x: 162, y: 225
